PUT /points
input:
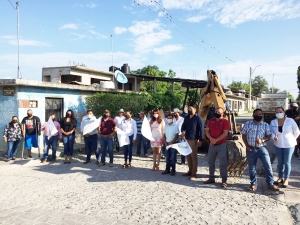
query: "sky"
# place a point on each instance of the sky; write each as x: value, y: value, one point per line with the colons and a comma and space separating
x: 187, y: 36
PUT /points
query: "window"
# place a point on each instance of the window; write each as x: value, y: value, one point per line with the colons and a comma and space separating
x: 47, y: 78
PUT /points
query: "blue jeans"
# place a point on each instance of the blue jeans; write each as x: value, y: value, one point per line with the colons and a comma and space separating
x: 139, y: 140
x: 171, y: 155
x: 127, y: 149
x: 91, y: 142
x: 68, y: 144
x: 262, y: 154
x: 12, y: 148
x: 179, y: 140
x: 107, y: 142
x: 163, y: 150
x: 51, y: 142
x: 284, y: 156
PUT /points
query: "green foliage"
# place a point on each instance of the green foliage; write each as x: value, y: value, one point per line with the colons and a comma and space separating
x: 114, y: 102
x: 193, y: 96
x: 290, y: 96
x: 238, y: 85
x: 275, y: 90
x: 162, y: 87
x: 259, y: 85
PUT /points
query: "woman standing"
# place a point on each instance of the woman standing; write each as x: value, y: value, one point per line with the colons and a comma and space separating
x: 157, y: 129
x: 12, y: 135
x: 129, y: 127
x: 68, y: 128
x: 284, y: 132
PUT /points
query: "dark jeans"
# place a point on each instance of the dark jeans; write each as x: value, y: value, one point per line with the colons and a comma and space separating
x: 262, y: 154
x: 68, y: 144
x: 91, y: 142
x: 171, y: 155
x: 127, y: 149
x: 50, y: 142
x: 163, y: 150
x: 107, y: 142
x: 146, y: 143
x: 117, y: 142
x: 12, y: 147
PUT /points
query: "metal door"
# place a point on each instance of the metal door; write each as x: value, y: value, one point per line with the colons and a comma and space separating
x: 54, y: 105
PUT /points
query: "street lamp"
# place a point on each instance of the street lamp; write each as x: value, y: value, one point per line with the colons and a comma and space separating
x: 250, y: 83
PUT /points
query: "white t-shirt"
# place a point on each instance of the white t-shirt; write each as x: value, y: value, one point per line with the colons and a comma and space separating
x: 119, y: 120
x: 129, y: 127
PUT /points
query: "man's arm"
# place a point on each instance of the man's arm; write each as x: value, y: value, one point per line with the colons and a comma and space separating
x: 223, y: 135
x: 244, y: 137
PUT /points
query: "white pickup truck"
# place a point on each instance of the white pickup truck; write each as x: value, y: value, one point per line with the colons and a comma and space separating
x: 268, y: 103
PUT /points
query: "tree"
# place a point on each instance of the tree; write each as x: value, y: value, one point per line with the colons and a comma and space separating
x: 162, y: 87
x: 238, y: 85
x: 259, y: 85
x: 290, y: 96
x: 275, y: 90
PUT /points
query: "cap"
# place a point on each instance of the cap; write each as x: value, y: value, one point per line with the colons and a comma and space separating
x: 176, y: 110
x: 141, y: 112
x: 295, y: 104
x: 121, y: 110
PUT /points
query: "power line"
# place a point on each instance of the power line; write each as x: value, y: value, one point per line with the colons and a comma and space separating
x: 12, y: 5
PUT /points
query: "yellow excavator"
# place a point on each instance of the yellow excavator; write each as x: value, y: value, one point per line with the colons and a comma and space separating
x: 213, y: 94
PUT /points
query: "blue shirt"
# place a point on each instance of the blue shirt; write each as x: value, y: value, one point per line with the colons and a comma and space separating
x: 254, y: 131
x: 170, y: 131
x: 193, y: 127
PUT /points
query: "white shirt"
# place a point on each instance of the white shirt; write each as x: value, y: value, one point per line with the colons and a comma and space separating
x: 119, y: 120
x: 129, y: 127
x: 290, y: 132
x: 171, y: 131
x: 87, y: 121
x: 179, y: 123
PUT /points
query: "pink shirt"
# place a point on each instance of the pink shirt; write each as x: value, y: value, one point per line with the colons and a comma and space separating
x: 46, y: 131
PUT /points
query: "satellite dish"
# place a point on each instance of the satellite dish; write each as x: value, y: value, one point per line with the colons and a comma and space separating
x: 120, y: 77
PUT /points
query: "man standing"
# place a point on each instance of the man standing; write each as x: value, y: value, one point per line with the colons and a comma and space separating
x: 293, y: 112
x: 170, y: 137
x: 179, y: 121
x: 119, y: 119
x: 90, y: 137
x: 107, y: 131
x: 255, y: 134
x: 140, y: 138
x: 31, y: 131
x: 51, y: 139
x: 166, y: 113
x: 192, y: 132
x: 217, y: 131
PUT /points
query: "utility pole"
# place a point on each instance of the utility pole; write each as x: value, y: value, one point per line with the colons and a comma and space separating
x: 272, y: 83
x: 17, y: 7
x: 250, y: 84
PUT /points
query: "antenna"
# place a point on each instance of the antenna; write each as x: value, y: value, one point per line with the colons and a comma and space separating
x: 120, y: 77
x: 17, y: 7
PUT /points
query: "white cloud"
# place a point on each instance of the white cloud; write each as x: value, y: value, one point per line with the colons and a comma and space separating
x: 12, y: 40
x: 71, y: 26
x: 91, y: 5
x: 120, y: 30
x: 79, y: 36
x: 167, y: 49
x: 144, y: 27
x: 231, y: 12
x: 97, y: 35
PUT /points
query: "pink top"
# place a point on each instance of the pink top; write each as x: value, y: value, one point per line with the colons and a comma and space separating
x: 157, y: 130
x: 46, y: 131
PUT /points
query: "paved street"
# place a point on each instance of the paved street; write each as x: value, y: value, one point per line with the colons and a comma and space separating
x: 35, y: 193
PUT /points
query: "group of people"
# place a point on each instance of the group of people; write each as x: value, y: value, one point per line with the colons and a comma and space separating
x: 166, y: 130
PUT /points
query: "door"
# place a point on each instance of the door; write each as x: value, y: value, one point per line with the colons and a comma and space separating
x: 54, y: 105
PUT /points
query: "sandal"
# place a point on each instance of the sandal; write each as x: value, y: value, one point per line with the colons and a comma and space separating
x: 252, y: 188
x: 125, y: 165
x: 224, y: 185
x: 285, y: 184
x: 129, y: 166
x: 157, y: 168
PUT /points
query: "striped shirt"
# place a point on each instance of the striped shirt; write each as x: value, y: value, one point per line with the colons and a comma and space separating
x: 139, y: 125
x: 254, y: 131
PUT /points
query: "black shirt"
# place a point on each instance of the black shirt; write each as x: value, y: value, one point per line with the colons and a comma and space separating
x: 193, y: 127
x: 67, y: 126
x: 292, y: 113
x: 31, y: 127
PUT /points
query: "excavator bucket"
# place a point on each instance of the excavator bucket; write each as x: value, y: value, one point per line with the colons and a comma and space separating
x: 236, y: 149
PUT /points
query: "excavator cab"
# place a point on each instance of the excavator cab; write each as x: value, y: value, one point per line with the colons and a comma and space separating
x: 213, y: 95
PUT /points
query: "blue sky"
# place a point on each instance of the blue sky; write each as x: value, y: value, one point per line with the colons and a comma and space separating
x: 187, y: 36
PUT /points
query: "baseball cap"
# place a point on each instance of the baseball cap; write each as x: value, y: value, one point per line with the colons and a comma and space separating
x: 295, y: 104
x: 121, y: 110
x: 176, y: 110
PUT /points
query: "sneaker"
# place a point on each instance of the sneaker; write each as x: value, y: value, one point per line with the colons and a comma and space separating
x: 102, y: 164
x: 7, y: 160
x: 111, y: 165
x: 29, y: 156
x: 87, y: 162
x: 173, y: 173
x: 165, y: 172
x: 209, y: 181
x: 146, y: 155
x: 43, y: 160
x: 98, y: 162
x: 13, y: 158
x: 273, y: 188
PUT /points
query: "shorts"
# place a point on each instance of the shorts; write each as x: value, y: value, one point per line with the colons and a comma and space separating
x: 31, y: 140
